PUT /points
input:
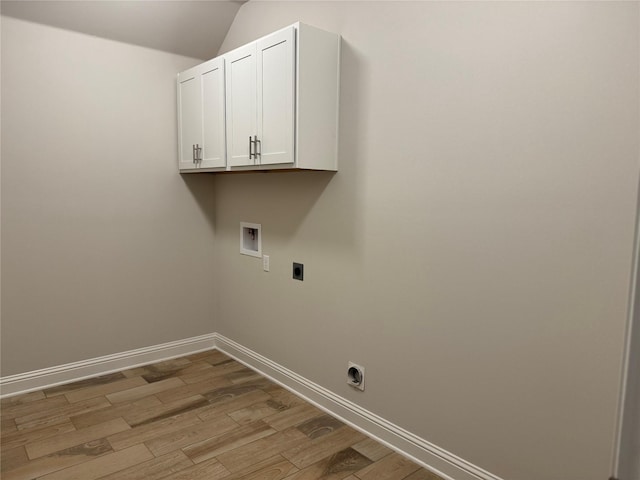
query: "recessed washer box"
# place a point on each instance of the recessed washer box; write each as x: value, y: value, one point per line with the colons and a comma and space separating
x: 251, y: 239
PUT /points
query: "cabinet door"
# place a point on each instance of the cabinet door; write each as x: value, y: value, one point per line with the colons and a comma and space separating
x: 189, y: 115
x: 275, y: 97
x: 241, y: 105
x: 213, y: 114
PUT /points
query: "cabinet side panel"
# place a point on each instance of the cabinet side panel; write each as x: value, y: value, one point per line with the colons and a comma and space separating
x: 317, y: 87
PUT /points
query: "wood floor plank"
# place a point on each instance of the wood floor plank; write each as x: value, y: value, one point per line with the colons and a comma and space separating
x: 243, y: 375
x: 293, y: 416
x: 29, y: 408
x: 212, y: 447
x: 198, y: 388
x: 335, y: 467
x: 423, y: 474
x: 60, y: 414
x: 233, y: 391
x: 104, y: 389
x: 155, y: 374
x: 102, y: 466
x: 111, y: 412
x: 89, y: 382
x: 275, y: 471
x: 56, y: 443
x: 315, y: 450
x: 57, y: 461
x: 93, y: 448
x: 214, y: 357
x: 209, y: 470
x: 233, y: 404
x: 7, y: 426
x: 166, y: 366
x: 12, y: 458
x: 242, y: 457
x: 144, y: 390
x: 153, y: 469
x: 190, y: 371
x: 196, y: 371
x: 141, y: 434
x: 22, y: 399
x: 319, y: 426
x: 160, y: 411
x: 188, y: 436
x: 391, y: 467
x: 278, y: 466
x: 284, y: 396
x: 23, y: 437
x: 372, y: 449
x: 257, y: 411
x: 222, y: 370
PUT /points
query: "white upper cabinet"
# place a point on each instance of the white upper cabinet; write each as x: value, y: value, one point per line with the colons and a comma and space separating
x: 201, y: 117
x: 241, y: 105
x: 189, y: 111
x: 276, y: 98
x: 260, y: 100
x: 280, y: 105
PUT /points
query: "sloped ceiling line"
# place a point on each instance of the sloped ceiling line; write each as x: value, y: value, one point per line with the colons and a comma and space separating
x: 184, y: 27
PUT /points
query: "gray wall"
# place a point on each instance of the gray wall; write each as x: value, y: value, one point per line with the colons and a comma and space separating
x: 474, y: 250
x: 104, y: 247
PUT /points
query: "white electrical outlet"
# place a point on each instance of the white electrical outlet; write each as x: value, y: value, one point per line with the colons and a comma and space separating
x: 265, y: 263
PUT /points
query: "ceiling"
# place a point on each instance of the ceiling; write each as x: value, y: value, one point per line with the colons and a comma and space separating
x: 186, y: 27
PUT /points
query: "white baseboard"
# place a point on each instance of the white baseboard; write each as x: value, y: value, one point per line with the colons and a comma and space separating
x: 71, y: 372
x: 432, y: 457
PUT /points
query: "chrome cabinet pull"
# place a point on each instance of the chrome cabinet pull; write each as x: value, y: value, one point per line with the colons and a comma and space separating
x: 198, y: 153
x: 193, y: 153
x: 253, y: 153
x: 257, y: 142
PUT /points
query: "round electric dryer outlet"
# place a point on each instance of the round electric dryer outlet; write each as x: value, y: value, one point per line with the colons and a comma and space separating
x: 355, y: 376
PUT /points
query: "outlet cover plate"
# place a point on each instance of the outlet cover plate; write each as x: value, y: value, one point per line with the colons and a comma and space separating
x: 352, y: 380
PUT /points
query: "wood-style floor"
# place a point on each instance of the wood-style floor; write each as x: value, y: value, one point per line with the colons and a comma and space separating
x: 203, y: 416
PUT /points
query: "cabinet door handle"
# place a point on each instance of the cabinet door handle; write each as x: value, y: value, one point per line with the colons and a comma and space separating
x: 256, y: 143
x: 250, y: 152
x: 198, y: 152
x: 193, y: 153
